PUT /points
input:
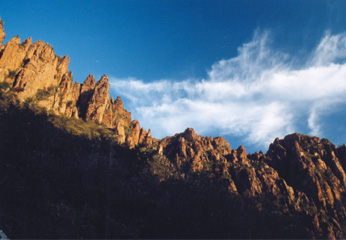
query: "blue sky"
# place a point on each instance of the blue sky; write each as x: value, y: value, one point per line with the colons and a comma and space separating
x: 247, y: 70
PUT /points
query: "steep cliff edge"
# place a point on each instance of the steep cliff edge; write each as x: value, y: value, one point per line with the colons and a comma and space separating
x: 36, y: 74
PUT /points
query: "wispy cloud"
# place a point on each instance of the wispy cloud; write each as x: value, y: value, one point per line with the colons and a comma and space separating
x: 260, y: 94
x: 332, y: 48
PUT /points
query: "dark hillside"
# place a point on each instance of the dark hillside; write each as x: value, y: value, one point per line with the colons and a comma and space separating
x: 55, y: 184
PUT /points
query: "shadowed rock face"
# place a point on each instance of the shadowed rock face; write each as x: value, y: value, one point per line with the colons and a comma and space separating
x: 298, y: 171
x: 86, y: 92
x: 312, y: 166
x: 300, y: 174
x: 315, y: 167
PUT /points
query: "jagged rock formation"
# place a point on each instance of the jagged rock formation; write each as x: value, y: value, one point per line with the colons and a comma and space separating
x: 35, y: 73
x: 2, y: 32
x: 299, y: 171
x: 301, y: 175
x: 314, y: 166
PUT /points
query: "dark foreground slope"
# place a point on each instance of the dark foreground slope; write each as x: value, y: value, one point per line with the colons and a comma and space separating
x: 56, y: 182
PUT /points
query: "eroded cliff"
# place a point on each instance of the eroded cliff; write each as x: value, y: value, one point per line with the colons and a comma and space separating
x: 36, y: 74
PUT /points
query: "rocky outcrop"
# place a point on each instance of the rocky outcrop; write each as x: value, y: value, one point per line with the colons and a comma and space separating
x: 301, y: 173
x: 99, y: 101
x: 310, y: 165
x: 2, y: 32
x: 247, y: 173
x: 12, y: 59
x: 315, y: 167
x: 86, y: 92
x: 41, y: 69
x: 145, y: 138
x: 35, y: 73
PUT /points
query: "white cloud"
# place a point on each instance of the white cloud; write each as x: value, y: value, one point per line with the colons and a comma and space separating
x: 258, y: 94
x: 312, y: 123
x: 331, y: 48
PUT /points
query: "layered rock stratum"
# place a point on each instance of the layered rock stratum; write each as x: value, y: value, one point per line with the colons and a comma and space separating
x: 300, y: 175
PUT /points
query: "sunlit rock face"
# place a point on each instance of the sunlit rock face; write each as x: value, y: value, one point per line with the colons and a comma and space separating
x: 2, y: 32
x: 34, y: 72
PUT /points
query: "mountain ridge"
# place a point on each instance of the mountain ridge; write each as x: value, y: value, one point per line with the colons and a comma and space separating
x: 300, y: 176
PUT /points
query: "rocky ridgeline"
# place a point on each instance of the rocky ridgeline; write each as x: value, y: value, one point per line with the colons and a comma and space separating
x: 301, y: 173
x: 35, y: 73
